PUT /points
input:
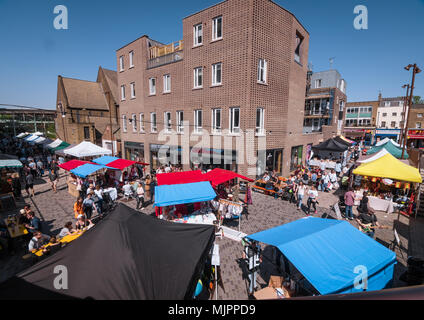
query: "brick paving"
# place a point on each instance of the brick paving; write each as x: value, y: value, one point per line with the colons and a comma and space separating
x: 266, y: 212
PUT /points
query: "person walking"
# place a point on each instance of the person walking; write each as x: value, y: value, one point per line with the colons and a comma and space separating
x: 140, y: 197
x: 147, y: 183
x: 29, y: 184
x: 153, y: 184
x: 53, y: 180
x: 349, y: 199
x: 312, y: 199
x: 300, y: 192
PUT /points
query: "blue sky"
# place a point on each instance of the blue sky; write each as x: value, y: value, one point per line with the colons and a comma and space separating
x: 33, y: 53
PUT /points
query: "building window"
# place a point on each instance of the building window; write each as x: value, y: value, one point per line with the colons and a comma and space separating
x: 383, y: 124
x: 394, y: 114
x: 153, y: 125
x: 260, y: 121
x: 216, y: 74
x: 318, y: 83
x: 198, y: 34
x: 124, y: 123
x: 131, y: 59
x: 141, y: 122
x: 262, y: 71
x: 418, y: 125
x: 134, y: 122
x: 132, y: 90
x: 217, y: 28
x: 167, y: 120
x: 166, y: 83
x: 152, y: 86
x: 180, y: 119
x: 198, y: 121
x: 419, y: 115
x: 234, y: 120
x: 121, y: 63
x: 122, y: 92
x: 198, y: 77
x: 87, y: 133
x: 297, y: 51
x: 216, y: 120
x: 384, y: 114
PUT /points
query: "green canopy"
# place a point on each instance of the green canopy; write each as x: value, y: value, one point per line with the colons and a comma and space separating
x: 391, y: 148
x: 61, y: 146
x: 10, y: 163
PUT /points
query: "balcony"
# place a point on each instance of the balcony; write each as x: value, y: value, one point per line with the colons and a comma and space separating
x: 316, y: 114
x: 161, y: 55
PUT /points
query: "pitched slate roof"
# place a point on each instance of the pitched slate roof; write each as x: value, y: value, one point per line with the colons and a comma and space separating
x: 82, y: 94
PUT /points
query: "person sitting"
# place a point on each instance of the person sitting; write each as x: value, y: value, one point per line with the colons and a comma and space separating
x: 314, y: 178
x: 368, y: 222
x: 126, y: 189
x: 83, y: 223
x: 66, y: 230
x: 266, y: 177
x: 37, y: 241
x: 78, y: 207
x: 34, y: 223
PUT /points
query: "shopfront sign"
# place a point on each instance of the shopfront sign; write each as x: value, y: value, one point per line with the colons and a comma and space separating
x: 415, y: 134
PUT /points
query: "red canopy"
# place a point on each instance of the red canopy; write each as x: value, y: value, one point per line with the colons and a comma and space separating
x: 120, y: 164
x: 218, y: 176
x: 72, y: 164
x: 180, y: 177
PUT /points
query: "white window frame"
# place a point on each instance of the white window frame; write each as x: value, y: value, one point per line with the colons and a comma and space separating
x: 166, y: 83
x: 132, y: 86
x: 233, y: 128
x: 180, y: 119
x: 167, y: 125
x: 141, y: 115
x: 216, y: 129
x: 197, y: 72
x: 197, y: 128
x: 215, y: 28
x: 152, y: 87
x: 196, y: 34
x: 121, y: 63
x: 214, y: 73
x: 134, y: 122
x: 262, y: 71
x: 123, y: 92
x: 131, y: 56
x: 261, y: 129
x: 153, y: 124
x: 318, y: 81
x: 124, y: 123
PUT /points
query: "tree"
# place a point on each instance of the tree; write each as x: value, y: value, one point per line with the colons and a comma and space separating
x: 417, y: 100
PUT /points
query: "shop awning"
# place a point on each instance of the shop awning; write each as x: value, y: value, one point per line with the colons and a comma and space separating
x: 347, y: 140
x: 72, y: 164
x: 180, y: 177
x: 87, y: 149
x: 169, y: 195
x: 218, y: 176
x: 87, y: 169
x: 389, y: 167
x: 328, y: 252
x: 10, y: 163
x: 391, y: 148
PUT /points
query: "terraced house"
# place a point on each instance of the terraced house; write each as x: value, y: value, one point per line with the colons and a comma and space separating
x: 240, y: 65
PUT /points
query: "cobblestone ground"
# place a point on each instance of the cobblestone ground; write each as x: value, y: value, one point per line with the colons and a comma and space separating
x: 266, y: 212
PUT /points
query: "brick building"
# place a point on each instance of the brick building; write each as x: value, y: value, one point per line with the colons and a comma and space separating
x: 360, y: 120
x: 199, y: 95
x: 86, y: 109
x: 415, y: 133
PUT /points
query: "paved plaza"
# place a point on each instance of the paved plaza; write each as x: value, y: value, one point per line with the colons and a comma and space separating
x: 55, y: 209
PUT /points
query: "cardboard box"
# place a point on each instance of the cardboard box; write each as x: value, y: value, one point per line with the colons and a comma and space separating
x: 270, y: 292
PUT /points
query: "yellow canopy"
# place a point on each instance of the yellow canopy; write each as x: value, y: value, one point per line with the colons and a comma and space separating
x: 389, y: 167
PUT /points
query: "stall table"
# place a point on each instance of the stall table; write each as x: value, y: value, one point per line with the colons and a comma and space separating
x: 65, y: 239
x: 380, y: 204
x: 198, y: 218
x: 14, y: 228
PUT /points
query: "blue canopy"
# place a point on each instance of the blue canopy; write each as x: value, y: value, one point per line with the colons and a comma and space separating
x: 169, y: 195
x: 105, y: 160
x: 326, y: 252
x: 87, y: 169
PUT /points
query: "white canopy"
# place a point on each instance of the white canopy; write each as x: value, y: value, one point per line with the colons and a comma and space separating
x: 39, y: 140
x: 376, y: 156
x: 23, y: 134
x: 54, y: 144
x: 385, y: 140
x: 87, y: 149
x: 38, y: 133
x: 31, y: 138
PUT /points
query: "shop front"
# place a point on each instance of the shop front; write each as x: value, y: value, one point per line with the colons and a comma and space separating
x: 161, y: 154
x: 134, y: 151
x: 205, y: 158
x: 360, y: 134
x: 270, y: 160
x: 415, y: 138
x: 296, y: 157
x: 393, y: 134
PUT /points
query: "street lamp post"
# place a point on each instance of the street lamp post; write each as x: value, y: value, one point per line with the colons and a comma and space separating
x: 63, y: 118
x: 415, y: 70
x: 405, y: 104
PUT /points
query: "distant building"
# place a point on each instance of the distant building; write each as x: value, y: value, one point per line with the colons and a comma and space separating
x: 390, y: 117
x: 415, y: 133
x: 86, y: 109
x: 324, y: 103
x: 16, y: 120
x: 360, y: 120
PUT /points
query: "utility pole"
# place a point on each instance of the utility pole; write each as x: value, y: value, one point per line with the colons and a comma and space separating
x: 405, y: 104
x: 415, y: 70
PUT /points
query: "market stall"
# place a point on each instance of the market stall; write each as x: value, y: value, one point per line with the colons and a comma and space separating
x: 321, y: 249
x: 387, y: 181
x: 330, y: 149
x: 54, y: 144
x: 87, y: 149
x: 141, y: 257
x: 391, y: 148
